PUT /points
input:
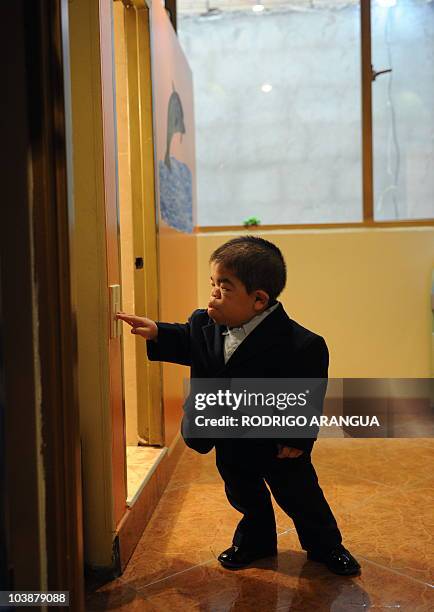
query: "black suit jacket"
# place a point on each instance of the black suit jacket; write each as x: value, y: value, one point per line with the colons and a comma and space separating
x: 277, y: 348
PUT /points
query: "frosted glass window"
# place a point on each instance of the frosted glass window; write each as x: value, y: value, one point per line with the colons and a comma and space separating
x: 278, y: 110
x: 403, y: 109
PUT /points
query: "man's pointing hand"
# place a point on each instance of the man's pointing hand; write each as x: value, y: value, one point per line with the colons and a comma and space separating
x: 141, y: 326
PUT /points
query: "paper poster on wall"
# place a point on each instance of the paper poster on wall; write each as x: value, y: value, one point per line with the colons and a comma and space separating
x: 172, y: 86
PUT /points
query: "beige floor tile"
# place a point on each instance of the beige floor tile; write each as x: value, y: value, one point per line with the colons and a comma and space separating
x: 290, y: 583
x: 140, y: 461
x: 392, y: 461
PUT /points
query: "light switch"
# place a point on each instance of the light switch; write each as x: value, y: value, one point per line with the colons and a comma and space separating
x: 115, y: 306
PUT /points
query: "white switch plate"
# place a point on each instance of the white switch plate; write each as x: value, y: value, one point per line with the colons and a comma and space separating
x: 115, y: 306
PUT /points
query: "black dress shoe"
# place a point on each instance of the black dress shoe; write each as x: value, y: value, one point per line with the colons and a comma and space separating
x: 235, y: 557
x: 339, y: 561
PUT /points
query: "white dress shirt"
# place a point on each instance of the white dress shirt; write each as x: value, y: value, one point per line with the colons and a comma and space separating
x: 233, y: 336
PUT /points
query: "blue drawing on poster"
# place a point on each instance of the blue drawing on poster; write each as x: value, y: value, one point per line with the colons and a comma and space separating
x: 176, y: 181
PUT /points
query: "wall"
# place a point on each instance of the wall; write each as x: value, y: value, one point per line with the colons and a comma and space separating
x: 366, y: 291
x: 178, y: 296
x: 177, y: 249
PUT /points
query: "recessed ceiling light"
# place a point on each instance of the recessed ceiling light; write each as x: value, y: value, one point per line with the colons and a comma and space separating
x: 258, y: 8
x: 266, y: 87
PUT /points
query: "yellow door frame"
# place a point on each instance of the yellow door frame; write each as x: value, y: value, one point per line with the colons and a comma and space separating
x: 150, y: 419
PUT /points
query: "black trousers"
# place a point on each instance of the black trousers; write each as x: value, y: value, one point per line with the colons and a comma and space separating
x: 245, y: 466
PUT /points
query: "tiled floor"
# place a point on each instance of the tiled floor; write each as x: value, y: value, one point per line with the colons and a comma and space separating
x: 381, y: 492
x: 141, y: 460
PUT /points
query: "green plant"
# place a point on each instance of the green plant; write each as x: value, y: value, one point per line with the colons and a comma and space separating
x: 251, y: 221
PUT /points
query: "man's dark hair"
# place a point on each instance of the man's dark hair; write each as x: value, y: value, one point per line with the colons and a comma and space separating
x: 256, y: 262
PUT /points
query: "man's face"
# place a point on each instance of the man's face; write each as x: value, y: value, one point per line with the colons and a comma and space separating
x: 230, y: 304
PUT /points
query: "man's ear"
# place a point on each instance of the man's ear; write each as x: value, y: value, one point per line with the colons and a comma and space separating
x: 261, y: 300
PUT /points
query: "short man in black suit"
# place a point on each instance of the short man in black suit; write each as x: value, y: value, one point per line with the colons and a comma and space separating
x: 245, y: 333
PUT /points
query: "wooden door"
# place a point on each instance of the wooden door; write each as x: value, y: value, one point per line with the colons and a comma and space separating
x: 137, y: 187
